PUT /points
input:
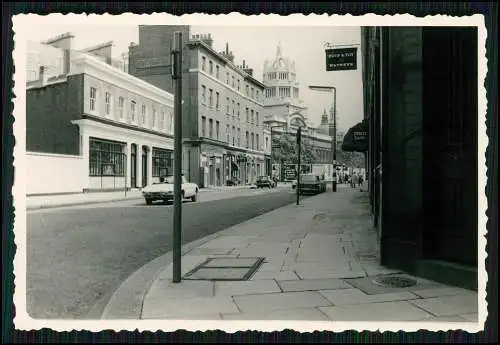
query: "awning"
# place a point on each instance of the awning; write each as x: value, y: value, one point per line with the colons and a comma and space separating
x: 356, y: 138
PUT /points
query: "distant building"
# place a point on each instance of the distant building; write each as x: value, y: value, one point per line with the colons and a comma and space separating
x: 286, y: 112
x: 223, y: 110
x: 91, y: 126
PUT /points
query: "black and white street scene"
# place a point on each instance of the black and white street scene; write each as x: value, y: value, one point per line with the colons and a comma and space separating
x: 293, y: 173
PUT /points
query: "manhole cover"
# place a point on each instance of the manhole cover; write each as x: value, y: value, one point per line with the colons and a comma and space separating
x: 225, y: 269
x: 399, y: 282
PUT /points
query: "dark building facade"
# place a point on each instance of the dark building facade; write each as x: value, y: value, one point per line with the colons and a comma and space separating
x: 420, y: 97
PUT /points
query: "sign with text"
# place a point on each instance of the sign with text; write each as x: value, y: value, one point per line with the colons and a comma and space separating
x: 341, y: 59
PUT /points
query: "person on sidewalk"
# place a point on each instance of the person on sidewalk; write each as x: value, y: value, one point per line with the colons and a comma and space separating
x: 354, y: 180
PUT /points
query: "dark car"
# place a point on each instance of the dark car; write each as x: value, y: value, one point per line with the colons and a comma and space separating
x: 312, y: 184
x: 265, y: 181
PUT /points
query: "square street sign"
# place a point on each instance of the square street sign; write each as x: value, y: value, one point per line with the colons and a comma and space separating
x: 341, y: 59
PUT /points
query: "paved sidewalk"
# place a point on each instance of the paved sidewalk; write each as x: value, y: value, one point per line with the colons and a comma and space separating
x: 59, y: 200
x: 320, y: 260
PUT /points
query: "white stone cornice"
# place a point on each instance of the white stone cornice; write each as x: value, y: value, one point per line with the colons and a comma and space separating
x: 87, y: 64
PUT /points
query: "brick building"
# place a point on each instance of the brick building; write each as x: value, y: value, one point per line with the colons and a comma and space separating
x: 421, y: 92
x: 223, y: 133
x: 91, y: 126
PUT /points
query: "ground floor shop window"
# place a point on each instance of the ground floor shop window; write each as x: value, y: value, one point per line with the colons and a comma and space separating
x: 106, y: 158
x: 162, y: 162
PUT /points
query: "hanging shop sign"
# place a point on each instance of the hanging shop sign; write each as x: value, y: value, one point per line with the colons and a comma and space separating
x: 341, y: 59
x: 356, y: 138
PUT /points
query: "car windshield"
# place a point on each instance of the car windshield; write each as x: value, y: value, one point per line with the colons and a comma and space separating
x: 309, y: 178
x: 170, y: 179
x: 262, y: 178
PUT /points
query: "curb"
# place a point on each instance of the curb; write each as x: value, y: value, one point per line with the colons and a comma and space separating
x: 40, y: 207
x: 127, y: 300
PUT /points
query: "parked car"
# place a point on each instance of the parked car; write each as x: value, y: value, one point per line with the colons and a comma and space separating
x: 312, y: 184
x: 165, y: 190
x: 265, y: 181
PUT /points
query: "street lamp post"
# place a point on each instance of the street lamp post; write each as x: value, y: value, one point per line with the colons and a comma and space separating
x: 334, y: 144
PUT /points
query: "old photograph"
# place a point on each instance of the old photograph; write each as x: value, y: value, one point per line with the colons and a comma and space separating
x: 209, y: 171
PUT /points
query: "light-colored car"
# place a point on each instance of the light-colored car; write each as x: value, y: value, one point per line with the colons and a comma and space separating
x: 165, y: 190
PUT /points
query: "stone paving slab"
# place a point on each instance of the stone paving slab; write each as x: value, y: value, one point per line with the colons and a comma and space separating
x: 162, y: 289
x: 444, y: 291
x: 355, y: 296
x: 232, y: 262
x: 180, y: 307
x: 275, y: 301
x: 277, y: 275
x: 195, y: 317
x: 312, y: 285
x: 245, y: 287
x: 210, y: 251
x: 227, y: 242
x: 219, y: 274
x: 306, y: 314
x: 188, y: 263
x: 449, y: 305
x: 385, y: 311
x: 367, y: 286
x: 473, y: 317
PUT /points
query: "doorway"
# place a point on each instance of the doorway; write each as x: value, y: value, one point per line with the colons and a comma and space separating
x: 144, y: 166
x: 133, y: 166
x: 450, y: 144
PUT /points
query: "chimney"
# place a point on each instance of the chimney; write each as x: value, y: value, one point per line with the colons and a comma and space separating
x: 227, y: 48
x: 243, y: 63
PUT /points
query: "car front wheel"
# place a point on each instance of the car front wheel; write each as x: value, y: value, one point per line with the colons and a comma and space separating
x: 194, y: 198
x: 149, y: 201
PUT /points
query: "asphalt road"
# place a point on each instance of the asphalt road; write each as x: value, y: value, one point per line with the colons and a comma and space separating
x: 78, y: 256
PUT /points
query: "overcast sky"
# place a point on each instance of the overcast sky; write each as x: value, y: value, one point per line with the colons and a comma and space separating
x: 255, y: 44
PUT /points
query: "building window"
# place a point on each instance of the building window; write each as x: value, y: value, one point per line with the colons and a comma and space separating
x: 267, y: 143
x: 257, y: 142
x: 132, y: 111
x: 246, y: 90
x: 217, y: 71
x: 107, y: 101
x: 251, y: 117
x: 252, y: 92
x: 153, y: 119
x: 210, y: 128
x: 253, y: 142
x: 227, y: 134
x: 227, y: 78
x: 211, y: 67
x: 170, y: 122
x: 233, y: 107
x: 93, y: 98
x: 203, y: 125
x: 144, y: 114
x: 210, y: 98
x: 227, y: 105
x: 203, y: 94
x: 239, y: 137
x: 257, y: 95
x: 106, y: 158
x: 217, y: 100
x: 247, y: 139
x: 238, y: 85
x: 217, y: 129
x: 246, y: 114
x: 121, y: 104
x: 257, y: 118
x: 238, y: 110
x: 234, y: 136
x: 233, y: 82
x: 162, y: 162
x: 161, y: 123
x: 203, y: 63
